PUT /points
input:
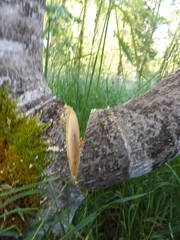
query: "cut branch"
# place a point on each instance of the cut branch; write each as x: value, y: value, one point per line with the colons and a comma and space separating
x: 131, y: 139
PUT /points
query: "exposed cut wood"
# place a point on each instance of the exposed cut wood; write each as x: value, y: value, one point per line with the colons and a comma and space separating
x: 72, y: 140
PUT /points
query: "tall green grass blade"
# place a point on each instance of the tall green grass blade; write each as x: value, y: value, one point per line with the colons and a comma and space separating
x: 125, y: 49
x: 19, y: 196
x: 75, y: 229
x: 9, y: 234
x: 29, y: 186
x: 130, y: 198
x: 40, y: 225
x: 29, y: 211
x: 106, y: 24
x: 174, y: 172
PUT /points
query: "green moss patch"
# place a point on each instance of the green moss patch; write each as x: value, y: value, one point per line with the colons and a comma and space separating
x: 22, y: 160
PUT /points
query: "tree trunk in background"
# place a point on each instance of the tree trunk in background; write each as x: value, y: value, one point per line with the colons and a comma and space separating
x: 120, y: 143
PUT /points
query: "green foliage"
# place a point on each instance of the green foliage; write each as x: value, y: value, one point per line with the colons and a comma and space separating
x: 143, y: 208
x: 22, y: 161
x: 138, y: 23
x: 58, y: 35
x: 171, y: 59
x: 75, y: 92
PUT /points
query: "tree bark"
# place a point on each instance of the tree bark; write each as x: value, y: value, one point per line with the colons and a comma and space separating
x: 123, y: 142
x: 132, y: 139
x: 21, y: 28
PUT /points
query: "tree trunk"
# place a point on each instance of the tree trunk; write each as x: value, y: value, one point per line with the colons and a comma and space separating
x: 21, y: 28
x: 21, y: 25
x: 132, y: 139
x: 120, y: 143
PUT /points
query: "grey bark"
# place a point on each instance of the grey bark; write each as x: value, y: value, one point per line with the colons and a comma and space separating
x: 132, y: 139
x: 21, y: 26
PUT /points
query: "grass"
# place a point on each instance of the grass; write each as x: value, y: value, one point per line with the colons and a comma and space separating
x: 143, y: 208
x: 72, y: 89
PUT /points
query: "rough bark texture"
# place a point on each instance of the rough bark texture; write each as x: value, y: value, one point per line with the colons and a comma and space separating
x: 132, y: 139
x: 21, y: 25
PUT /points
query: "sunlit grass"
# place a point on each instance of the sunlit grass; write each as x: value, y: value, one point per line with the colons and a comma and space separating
x: 70, y: 88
